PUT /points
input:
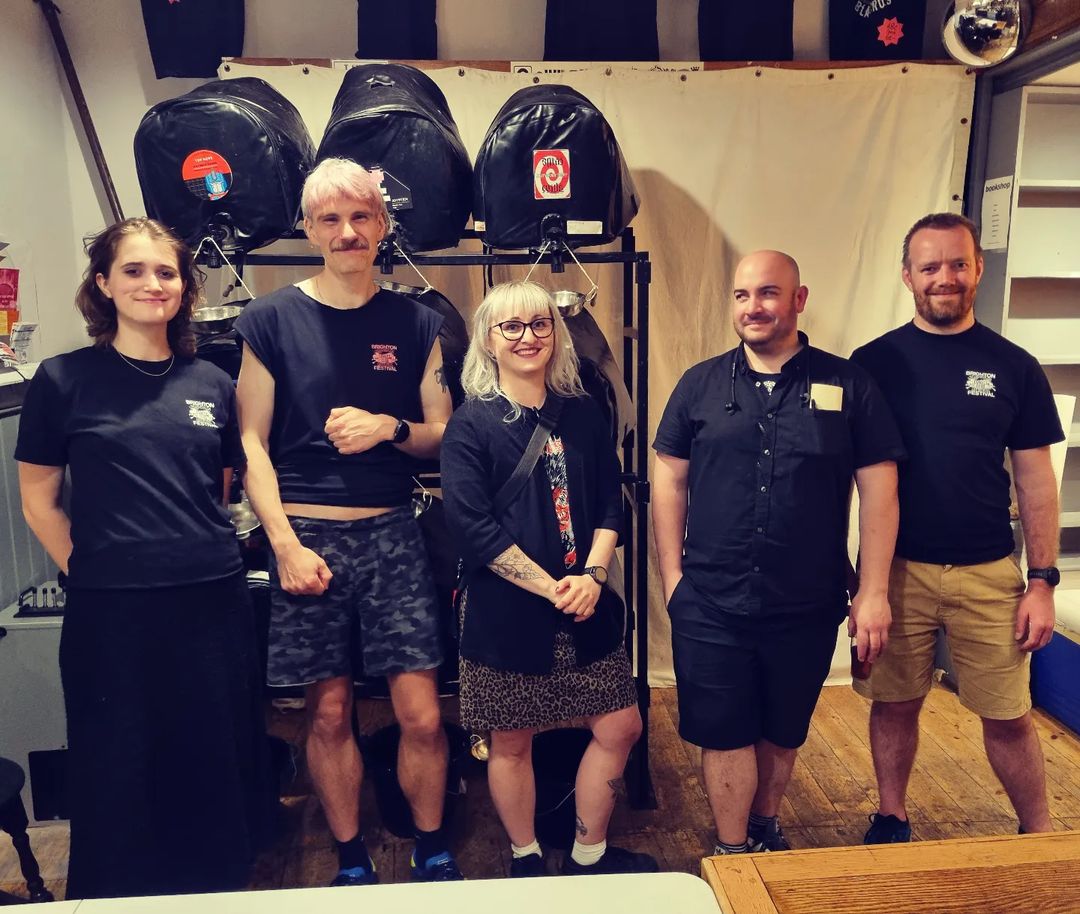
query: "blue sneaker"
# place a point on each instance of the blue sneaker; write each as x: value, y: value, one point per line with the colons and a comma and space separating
x: 356, y: 875
x: 887, y: 830
x: 440, y: 868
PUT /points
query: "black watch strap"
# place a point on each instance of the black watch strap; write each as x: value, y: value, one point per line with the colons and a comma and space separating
x: 1050, y: 574
x: 401, y: 431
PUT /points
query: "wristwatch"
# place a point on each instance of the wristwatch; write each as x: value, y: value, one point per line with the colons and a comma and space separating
x: 1051, y: 575
x: 401, y: 431
x: 598, y: 573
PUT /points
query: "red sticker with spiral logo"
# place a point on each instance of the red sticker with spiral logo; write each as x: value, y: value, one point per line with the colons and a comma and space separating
x: 551, y: 174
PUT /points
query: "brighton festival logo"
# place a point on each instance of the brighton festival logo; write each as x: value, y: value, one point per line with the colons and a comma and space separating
x: 201, y: 413
x: 384, y: 357
x: 980, y: 384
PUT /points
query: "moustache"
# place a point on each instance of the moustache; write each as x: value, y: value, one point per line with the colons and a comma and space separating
x: 350, y: 246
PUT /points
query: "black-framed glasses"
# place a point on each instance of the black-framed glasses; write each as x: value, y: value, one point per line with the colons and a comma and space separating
x: 514, y: 330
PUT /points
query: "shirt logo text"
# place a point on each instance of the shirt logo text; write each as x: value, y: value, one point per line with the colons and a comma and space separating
x: 384, y: 357
x: 201, y: 413
x: 980, y: 384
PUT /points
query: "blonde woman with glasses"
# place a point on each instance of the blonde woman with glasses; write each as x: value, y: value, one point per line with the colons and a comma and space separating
x: 531, y: 483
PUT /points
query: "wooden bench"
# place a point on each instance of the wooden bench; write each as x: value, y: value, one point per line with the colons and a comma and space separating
x: 1022, y: 874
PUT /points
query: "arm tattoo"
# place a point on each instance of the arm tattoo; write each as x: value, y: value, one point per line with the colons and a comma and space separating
x: 514, y: 571
x: 580, y: 826
x: 515, y: 565
x: 440, y: 376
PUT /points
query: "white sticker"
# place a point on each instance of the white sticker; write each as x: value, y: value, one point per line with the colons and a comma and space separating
x: 584, y: 227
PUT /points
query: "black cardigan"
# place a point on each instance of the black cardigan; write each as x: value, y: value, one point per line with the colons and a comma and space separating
x: 507, y: 627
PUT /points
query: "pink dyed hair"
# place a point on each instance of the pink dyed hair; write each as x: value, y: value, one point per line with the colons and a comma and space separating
x: 338, y: 177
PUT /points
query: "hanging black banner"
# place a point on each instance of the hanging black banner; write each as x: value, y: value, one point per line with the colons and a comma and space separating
x: 601, y: 30
x: 189, y: 38
x: 745, y: 31
x: 876, y: 29
x: 396, y: 30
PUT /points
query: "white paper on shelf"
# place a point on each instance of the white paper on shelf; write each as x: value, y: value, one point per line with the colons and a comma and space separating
x: 997, y: 201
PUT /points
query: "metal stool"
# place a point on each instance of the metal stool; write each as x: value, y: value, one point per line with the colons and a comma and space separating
x: 13, y: 820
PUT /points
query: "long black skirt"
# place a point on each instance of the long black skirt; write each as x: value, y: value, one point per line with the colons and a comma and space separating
x: 169, y: 789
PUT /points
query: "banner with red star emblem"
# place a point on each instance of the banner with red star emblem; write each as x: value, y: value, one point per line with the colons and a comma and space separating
x: 876, y: 29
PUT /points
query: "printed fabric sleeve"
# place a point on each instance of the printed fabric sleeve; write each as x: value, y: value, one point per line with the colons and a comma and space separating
x: 875, y: 436
x: 468, y: 495
x: 257, y: 326
x: 42, y: 439
x: 1037, y: 423
x: 674, y: 434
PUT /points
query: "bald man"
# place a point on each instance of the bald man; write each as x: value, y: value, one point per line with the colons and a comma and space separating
x: 755, y: 455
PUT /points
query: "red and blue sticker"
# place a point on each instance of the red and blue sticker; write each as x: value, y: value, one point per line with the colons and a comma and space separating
x: 206, y: 174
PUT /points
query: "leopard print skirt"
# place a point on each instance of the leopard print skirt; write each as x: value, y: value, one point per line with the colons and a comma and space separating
x: 501, y: 700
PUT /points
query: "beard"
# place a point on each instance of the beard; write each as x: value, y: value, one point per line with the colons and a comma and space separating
x: 758, y: 335
x: 942, y: 313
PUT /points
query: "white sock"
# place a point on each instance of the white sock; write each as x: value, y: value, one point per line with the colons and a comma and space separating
x: 587, y: 854
x: 520, y: 852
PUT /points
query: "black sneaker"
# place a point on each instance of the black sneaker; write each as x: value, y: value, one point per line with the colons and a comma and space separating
x: 529, y: 865
x: 357, y: 875
x: 887, y: 830
x: 615, y: 860
x: 770, y: 838
x: 440, y: 868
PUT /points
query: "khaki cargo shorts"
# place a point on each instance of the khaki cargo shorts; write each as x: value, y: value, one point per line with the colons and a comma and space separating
x: 976, y: 605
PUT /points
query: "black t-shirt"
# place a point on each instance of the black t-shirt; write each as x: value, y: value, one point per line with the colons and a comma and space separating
x: 960, y: 400
x: 770, y: 481
x: 146, y: 457
x: 321, y: 358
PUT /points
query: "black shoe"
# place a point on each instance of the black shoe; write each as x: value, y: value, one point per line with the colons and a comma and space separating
x: 357, y: 875
x: 615, y: 860
x: 529, y: 865
x: 887, y: 830
x: 770, y: 838
x: 441, y: 868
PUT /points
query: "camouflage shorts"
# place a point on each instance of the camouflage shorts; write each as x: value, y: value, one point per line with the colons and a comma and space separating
x: 380, y: 608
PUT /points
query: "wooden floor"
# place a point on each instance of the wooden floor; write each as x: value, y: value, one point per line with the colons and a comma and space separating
x: 953, y: 794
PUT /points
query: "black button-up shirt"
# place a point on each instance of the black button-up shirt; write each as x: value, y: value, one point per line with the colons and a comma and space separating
x: 770, y: 478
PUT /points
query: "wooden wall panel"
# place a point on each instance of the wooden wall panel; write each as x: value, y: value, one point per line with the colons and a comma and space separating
x: 1052, y: 18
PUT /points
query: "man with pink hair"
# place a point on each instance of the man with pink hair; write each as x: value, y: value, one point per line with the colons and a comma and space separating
x: 341, y: 391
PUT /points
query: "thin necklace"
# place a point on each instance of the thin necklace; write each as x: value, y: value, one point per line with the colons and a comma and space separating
x: 149, y: 374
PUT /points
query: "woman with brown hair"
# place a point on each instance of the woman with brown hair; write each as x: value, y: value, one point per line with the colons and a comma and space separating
x: 165, y: 743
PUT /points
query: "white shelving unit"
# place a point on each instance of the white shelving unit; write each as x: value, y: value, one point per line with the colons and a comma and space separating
x: 1041, y: 289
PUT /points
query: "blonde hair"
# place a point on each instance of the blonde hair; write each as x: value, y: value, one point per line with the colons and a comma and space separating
x: 338, y: 177
x: 480, y: 374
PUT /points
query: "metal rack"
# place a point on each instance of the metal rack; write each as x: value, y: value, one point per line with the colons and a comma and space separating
x: 637, y: 275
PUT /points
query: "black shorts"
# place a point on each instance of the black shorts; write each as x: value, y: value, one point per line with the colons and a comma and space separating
x: 739, y: 683
x: 380, y: 608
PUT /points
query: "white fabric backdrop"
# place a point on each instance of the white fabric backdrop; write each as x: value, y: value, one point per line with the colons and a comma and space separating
x: 831, y: 166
